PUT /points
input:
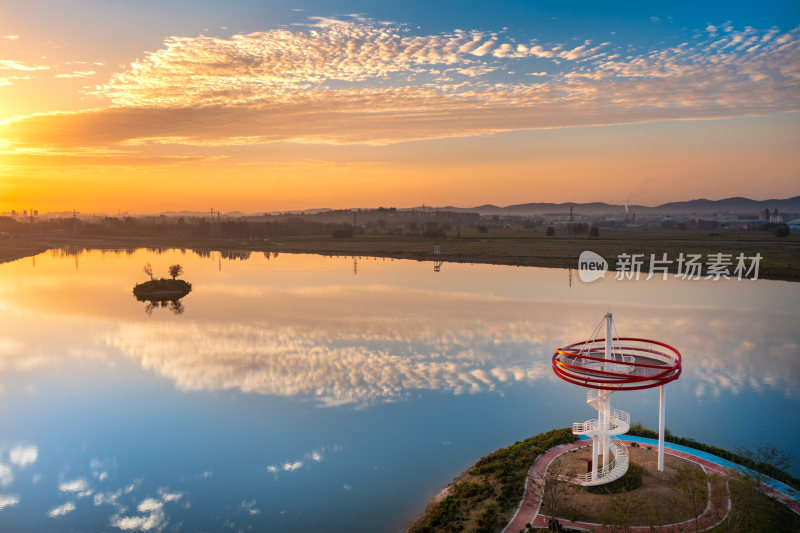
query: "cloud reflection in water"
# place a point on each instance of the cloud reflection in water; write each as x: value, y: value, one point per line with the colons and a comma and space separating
x: 378, y: 344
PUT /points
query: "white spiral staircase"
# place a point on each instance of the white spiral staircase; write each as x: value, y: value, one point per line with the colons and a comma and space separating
x: 604, y: 430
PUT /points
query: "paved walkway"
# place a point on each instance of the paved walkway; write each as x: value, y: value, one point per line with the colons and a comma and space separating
x: 528, y: 510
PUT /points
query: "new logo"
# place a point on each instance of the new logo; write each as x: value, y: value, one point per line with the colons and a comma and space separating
x: 591, y: 266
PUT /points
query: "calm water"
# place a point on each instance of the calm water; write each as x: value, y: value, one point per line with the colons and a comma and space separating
x: 291, y: 394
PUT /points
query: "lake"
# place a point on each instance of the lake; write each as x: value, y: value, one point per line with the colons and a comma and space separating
x: 301, y: 392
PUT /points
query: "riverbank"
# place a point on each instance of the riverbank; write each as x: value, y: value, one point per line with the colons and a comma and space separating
x: 657, y: 500
x: 11, y: 250
x: 780, y: 256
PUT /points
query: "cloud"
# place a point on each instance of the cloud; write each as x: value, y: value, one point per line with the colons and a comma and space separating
x: 335, y: 350
x: 77, y: 485
x: 78, y: 74
x: 249, y: 506
x: 12, y: 37
x: 315, y: 456
x: 361, y: 81
x: 8, y: 64
x: 23, y: 456
x: 286, y: 467
x: 6, y: 475
x: 110, y: 498
x: 301, y: 361
x: 7, y: 500
x: 152, y: 517
x: 61, y: 510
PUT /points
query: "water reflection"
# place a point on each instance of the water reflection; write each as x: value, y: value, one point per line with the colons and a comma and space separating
x: 381, y: 360
x: 306, y: 331
x: 113, y: 419
x: 173, y: 305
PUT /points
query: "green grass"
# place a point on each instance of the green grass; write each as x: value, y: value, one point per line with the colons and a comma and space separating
x: 485, y: 496
x: 781, y: 256
x: 639, y: 430
x: 631, y: 480
x: 753, y: 511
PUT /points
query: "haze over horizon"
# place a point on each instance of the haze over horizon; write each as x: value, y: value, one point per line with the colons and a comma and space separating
x: 146, y: 107
x: 176, y: 211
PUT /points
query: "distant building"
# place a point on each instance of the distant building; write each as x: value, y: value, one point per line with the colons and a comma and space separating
x: 775, y: 218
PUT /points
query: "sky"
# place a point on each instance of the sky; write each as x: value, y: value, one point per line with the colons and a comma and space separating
x: 146, y: 106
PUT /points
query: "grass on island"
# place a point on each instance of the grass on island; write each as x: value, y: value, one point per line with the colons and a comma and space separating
x: 484, y: 498
x: 754, y: 511
x: 638, y: 430
x: 642, y: 497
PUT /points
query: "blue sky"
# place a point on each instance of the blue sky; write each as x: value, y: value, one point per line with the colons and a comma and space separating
x: 192, y: 90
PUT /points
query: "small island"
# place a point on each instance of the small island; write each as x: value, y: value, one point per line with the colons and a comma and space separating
x: 162, y: 288
x: 527, y: 487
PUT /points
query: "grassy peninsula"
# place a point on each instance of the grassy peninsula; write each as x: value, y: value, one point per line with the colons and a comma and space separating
x: 484, y: 497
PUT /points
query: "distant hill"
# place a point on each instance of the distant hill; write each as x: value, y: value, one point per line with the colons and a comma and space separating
x: 699, y: 207
x: 734, y: 206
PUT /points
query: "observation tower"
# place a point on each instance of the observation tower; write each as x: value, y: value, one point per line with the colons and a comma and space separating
x: 609, y: 364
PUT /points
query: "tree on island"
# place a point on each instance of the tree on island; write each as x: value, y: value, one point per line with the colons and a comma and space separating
x: 148, y: 269
x: 175, y: 271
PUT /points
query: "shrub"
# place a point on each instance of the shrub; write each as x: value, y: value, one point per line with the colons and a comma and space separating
x: 782, y: 230
x: 632, y: 480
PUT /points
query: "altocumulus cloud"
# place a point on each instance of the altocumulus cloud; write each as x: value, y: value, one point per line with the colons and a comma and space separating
x: 360, y: 81
x: 23, y: 456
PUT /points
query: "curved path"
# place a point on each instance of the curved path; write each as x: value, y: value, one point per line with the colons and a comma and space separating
x: 529, y: 507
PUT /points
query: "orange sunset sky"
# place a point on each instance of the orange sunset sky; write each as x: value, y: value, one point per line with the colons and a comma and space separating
x: 134, y: 106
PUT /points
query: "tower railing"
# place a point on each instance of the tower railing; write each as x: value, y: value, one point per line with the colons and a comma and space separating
x: 619, y: 422
x: 613, y: 470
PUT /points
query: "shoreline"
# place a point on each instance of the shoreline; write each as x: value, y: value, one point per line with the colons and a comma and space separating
x: 529, y: 516
x: 781, y: 259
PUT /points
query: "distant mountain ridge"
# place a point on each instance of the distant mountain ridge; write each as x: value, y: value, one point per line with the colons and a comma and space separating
x: 736, y: 205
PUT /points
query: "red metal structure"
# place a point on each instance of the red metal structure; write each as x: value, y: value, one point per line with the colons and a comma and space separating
x: 641, y: 364
x: 611, y: 364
